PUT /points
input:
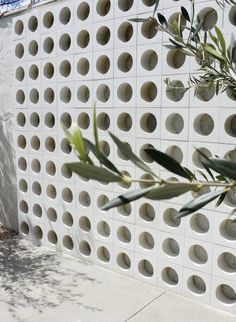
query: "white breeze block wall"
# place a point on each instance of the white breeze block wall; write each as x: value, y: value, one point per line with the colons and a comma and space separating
x: 69, y: 54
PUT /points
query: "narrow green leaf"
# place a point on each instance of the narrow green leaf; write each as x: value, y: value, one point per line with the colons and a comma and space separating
x: 95, y: 129
x: 167, y: 162
x: 78, y: 142
x: 226, y: 167
x: 198, y: 203
x: 162, y: 20
x: 185, y: 14
x: 221, y: 40
x: 101, y: 157
x: 137, y: 19
x: 128, y: 153
x: 177, y: 44
x: 156, y: 6
x: 126, y: 198
x: 169, y: 191
x: 68, y: 135
x: 221, y: 198
x: 94, y: 172
x: 207, y: 48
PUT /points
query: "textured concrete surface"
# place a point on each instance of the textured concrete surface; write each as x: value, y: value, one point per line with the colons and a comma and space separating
x: 39, y: 285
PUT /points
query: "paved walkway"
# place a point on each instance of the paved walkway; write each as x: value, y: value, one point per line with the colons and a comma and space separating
x: 37, y: 285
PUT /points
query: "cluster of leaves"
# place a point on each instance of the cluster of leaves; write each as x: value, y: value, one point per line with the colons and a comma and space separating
x: 189, y: 34
x: 95, y: 165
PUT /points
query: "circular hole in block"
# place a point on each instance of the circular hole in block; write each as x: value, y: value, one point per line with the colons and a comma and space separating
x: 232, y: 15
x: 50, y: 144
x: 147, y: 180
x: 124, y: 122
x: 37, y: 210
x: 33, y: 48
x: 175, y: 90
x: 66, y: 120
x: 65, y: 146
x: 36, y: 166
x: 83, y: 120
x: 227, y: 262
x: 37, y: 232
x: 148, y: 122
x: 103, y: 121
x: 65, y: 94
x: 51, y: 191
x: 174, y: 19
x: 49, y: 120
x: 230, y: 155
x: 125, y: 31
x: 67, y: 242
x: 83, y: 66
x: 65, y: 16
x: 103, y: 64
x: 48, y: 45
x: 103, y: 93
x: 67, y: 219
x: 228, y: 230
x: 145, y: 268
x: 149, y: 3
x: 149, y: 59
x: 24, y: 207
x: 35, y: 143
x: 23, y: 186
x: 170, y: 276
x: 231, y: 93
x: 52, y: 214
x: 230, y: 125
x: 143, y: 155
x: 67, y: 195
x: 146, y: 240
x: 50, y: 168
x: 105, y: 147
x: 20, y: 96
x: 20, y: 74
x: 65, y: 42
x: 197, y: 158
x: 33, y: 23
x: 48, y: 70
x: 52, y: 237
x: 34, y: 96
x: 83, y: 94
x: 175, y: 58
x: 103, y: 7
x: 49, y: 95
x: 226, y: 294
x: 33, y: 72
x: 230, y: 199
x: 85, y: 248
x: 83, y: 11
x: 36, y: 188
x: 48, y: 19
x: 124, y: 234
x: 149, y: 28
x: 125, y: 92
x: 199, y: 223
x: 102, y: 200
x: 205, y: 92
x: 103, y: 228
x: 19, y: 27
x: 122, y: 156
x: 21, y: 141
x: 171, y: 247
x: 84, y: 223
x: 103, y: 35
x: 65, y: 68
x: 123, y: 261
x: 125, y: 62
x: 22, y: 164
x: 175, y: 152
x: 209, y: 17
x: 170, y: 217
x: 196, y: 284
x: 84, y: 199
x: 198, y: 254
x: 203, y: 124
x: 125, y: 5
x: 125, y: 185
x: 24, y: 227
x: 19, y: 50
x: 125, y: 210
x: 147, y: 212
x: 66, y: 172
x: 83, y: 39
x: 103, y: 254
x: 174, y: 123
x: 20, y: 119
